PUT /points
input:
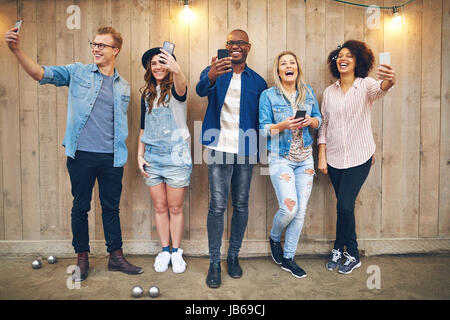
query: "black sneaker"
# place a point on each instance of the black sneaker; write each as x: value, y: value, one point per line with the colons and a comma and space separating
x: 213, y: 280
x: 335, y: 260
x: 292, y: 267
x: 277, y: 251
x: 350, y: 264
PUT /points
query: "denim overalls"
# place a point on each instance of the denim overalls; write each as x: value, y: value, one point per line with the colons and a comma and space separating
x: 167, y: 153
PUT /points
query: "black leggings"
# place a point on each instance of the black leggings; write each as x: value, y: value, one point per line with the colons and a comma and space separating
x: 347, y: 183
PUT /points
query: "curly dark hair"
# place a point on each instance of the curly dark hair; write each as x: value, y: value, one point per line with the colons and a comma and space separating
x: 362, y: 53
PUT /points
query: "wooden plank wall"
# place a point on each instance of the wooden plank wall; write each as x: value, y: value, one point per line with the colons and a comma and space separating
x: 405, y: 196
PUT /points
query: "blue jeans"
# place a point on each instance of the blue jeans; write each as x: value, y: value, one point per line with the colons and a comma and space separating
x: 292, y: 182
x: 225, y: 170
x: 84, y: 170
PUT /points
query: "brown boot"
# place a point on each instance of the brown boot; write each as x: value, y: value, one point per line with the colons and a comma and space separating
x: 83, y: 265
x: 117, y: 262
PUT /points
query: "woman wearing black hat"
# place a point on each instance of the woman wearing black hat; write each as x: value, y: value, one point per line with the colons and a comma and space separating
x: 164, y: 156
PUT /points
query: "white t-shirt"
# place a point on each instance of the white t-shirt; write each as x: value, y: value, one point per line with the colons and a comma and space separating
x: 229, y: 118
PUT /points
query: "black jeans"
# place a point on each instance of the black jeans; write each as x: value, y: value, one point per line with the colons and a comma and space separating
x: 347, y: 183
x: 235, y: 171
x: 83, y: 171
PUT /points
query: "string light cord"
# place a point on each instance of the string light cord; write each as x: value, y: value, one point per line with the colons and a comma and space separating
x: 366, y: 6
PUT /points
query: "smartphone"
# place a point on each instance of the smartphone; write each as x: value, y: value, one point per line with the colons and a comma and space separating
x: 18, y: 25
x: 300, y: 114
x: 385, y: 58
x: 169, y: 47
x: 222, y: 53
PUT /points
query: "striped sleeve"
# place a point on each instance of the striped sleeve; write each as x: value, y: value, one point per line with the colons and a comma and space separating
x: 323, y: 128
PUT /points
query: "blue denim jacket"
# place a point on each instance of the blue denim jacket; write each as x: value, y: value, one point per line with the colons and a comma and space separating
x: 274, y: 108
x: 252, y: 84
x: 84, y: 82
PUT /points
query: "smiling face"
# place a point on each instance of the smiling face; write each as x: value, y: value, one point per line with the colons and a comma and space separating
x: 345, y: 61
x: 287, y: 69
x: 159, y: 71
x: 238, y: 52
x: 108, y: 54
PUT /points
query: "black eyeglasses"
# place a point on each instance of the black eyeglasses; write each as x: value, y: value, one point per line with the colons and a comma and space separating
x: 100, y: 46
x: 239, y: 43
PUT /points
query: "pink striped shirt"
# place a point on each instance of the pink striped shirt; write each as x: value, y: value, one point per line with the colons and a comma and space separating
x: 346, y: 122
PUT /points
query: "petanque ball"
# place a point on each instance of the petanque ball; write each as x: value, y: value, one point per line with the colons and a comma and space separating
x: 36, y: 264
x: 153, y: 291
x: 137, y: 291
x: 51, y: 259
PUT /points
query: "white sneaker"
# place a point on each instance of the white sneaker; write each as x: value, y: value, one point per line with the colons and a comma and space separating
x: 162, y: 261
x: 178, y: 264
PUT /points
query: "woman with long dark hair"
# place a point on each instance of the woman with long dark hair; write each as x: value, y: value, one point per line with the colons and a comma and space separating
x: 346, y: 144
x: 164, y: 156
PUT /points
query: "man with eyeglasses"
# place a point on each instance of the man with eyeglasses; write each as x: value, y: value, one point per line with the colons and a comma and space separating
x: 230, y: 132
x: 94, y: 141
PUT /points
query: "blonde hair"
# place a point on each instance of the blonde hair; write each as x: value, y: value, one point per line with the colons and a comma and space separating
x: 300, y: 84
x: 114, y: 34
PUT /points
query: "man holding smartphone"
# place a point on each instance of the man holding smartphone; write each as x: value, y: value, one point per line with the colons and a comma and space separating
x: 230, y: 132
x: 94, y: 140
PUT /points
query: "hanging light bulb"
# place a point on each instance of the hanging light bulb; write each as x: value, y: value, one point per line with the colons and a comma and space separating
x: 397, y: 18
x: 186, y: 13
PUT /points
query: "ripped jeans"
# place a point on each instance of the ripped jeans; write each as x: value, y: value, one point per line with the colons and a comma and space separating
x: 293, y: 183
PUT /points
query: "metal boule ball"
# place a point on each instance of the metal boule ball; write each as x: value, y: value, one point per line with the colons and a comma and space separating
x: 51, y: 259
x: 138, y: 291
x: 153, y: 291
x: 36, y: 264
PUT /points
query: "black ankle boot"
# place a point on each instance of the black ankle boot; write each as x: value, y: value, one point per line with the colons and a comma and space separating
x: 213, y: 279
x: 234, y: 269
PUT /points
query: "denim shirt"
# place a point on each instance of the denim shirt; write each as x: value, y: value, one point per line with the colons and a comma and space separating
x: 84, y: 82
x: 275, y: 108
x: 252, y: 85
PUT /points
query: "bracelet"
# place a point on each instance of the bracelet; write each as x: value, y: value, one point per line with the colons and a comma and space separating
x: 140, y: 155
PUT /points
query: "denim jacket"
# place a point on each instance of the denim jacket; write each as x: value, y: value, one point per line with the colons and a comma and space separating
x: 275, y: 108
x: 251, y: 87
x: 84, y: 82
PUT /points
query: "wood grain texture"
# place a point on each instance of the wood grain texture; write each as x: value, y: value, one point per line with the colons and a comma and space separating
x: 430, y: 113
x: 444, y: 161
x: 401, y: 136
x: 10, y: 116
x: 29, y: 127
x: 199, y: 57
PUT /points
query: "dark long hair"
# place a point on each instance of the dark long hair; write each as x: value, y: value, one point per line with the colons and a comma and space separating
x: 363, y: 56
x: 148, y: 91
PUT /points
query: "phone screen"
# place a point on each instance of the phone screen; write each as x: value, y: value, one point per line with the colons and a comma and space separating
x: 300, y: 114
x: 222, y: 53
x: 385, y: 58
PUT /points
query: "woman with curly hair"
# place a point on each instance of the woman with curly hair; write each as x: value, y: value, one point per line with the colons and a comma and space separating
x: 346, y: 145
x: 164, y: 157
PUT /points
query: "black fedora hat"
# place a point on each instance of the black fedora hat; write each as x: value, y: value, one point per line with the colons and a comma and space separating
x: 148, y: 55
